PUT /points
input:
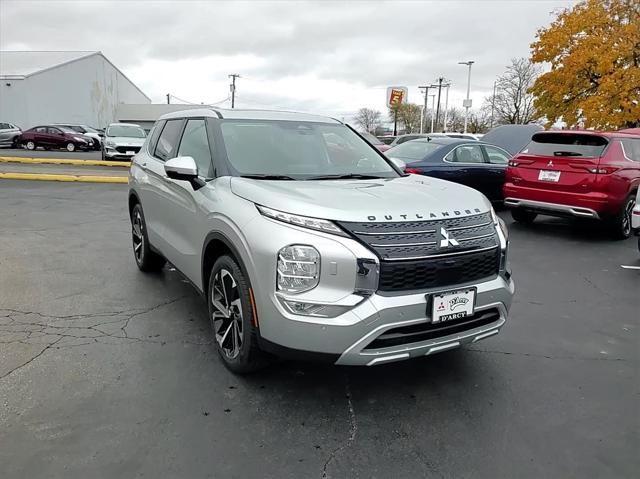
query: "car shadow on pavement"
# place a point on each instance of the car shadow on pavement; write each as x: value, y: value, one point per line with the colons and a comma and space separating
x: 563, y: 228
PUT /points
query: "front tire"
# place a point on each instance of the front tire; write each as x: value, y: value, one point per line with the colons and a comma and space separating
x: 147, y: 260
x: 523, y: 216
x: 232, y: 318
x: 71, y: 147
x: 620, y: 225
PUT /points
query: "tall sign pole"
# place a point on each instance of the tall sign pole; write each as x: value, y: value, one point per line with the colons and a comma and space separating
x: 467, y: 102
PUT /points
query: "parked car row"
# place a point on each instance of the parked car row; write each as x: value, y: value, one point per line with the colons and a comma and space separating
x: 580, y: 174
x: 55, y: 137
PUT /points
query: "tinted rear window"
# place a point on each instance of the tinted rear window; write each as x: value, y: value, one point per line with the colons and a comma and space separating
x: 413, y: 150
x: 566, y: 144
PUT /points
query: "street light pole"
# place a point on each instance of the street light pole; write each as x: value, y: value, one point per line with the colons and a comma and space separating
x: 423, y: 115
x: 446, y: 110
x: 233, y: 77
x: 467, y: 102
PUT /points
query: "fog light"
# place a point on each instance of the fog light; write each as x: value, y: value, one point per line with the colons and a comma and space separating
x: 313, y: 309
x: 298, y: 268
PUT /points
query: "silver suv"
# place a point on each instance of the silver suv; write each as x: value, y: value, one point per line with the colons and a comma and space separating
x: 122, y: 141
x: 306, y: 241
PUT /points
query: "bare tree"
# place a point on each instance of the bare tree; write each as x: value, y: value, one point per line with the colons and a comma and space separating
x: 455, y: 119
x: 408, y: 115
x: 512, y: 102
x: 368, y: 119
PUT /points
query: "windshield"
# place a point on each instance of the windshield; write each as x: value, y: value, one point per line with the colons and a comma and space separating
x: 414, y: 150
x: 566, y: 144
x: 371, y: 139
x: 300, y: 150
x: 126, y: 131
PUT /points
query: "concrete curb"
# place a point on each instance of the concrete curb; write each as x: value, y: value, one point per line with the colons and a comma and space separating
x: 69, y: 178
x: 63, y: 161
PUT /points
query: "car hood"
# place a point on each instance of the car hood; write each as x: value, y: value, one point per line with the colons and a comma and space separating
x: 125, y: 140
x: 408, y: 198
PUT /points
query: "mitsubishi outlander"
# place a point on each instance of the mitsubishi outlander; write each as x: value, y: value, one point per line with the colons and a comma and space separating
x: 306, y: 241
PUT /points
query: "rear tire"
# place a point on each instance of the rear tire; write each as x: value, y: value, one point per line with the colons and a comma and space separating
x: 30, y: 145
x: 620, y: 225
x: 71, y: 147
x: 523, y: 216
x: 232, y: 318
x: 147, y: 260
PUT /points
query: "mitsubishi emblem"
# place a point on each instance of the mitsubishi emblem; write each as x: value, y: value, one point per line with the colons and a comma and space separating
x: 447, y: 241
x: 550, y: 164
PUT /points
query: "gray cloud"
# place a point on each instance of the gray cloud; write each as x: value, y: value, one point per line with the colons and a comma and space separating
x: 366, y: 43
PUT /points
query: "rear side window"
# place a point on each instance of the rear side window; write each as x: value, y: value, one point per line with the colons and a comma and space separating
x: 631, y: 148
x: 566, y: 144
x: 155, y: 133
x: 4, y: 126
x: 41, y: 129
x: 195, y: 144
x: 168, y: 141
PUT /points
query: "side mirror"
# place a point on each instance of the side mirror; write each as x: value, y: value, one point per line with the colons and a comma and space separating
x: 401, y: 165
x: 184, y: 168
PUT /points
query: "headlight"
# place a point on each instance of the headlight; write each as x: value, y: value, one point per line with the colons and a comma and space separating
x: 303, y: 221
x: 77, y: 138
x: 298, y: 268
x: 111, y: 144
x: 503, y: 234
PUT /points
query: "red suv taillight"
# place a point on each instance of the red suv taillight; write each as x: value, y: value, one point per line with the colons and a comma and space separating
x: 414, y: 171
x: 517, y: 162
x: 600, y: 170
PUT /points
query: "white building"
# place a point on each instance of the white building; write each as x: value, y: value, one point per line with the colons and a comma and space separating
x: 62, y: 87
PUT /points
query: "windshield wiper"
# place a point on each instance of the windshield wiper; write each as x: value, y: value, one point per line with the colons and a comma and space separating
x: 268, y: 177
x: 348, y: 176
x: 566, y: 153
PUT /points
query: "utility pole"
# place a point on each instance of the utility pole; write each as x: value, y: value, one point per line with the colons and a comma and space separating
x: 433, y: 107
x: 493, y: 103
x: 439, y: 85
x: 446, y: 109
x: 233, y: 77
x: 168, y: 98
x: 423, y: 116
x: 467, y: 102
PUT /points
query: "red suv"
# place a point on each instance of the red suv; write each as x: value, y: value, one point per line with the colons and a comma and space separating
x: 583, y: 174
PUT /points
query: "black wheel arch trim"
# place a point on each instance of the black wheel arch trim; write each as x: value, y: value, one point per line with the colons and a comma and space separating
x: 218, y: 236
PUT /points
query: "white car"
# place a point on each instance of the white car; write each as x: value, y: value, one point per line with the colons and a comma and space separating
x: 122, y: 141
x: 635, y: 218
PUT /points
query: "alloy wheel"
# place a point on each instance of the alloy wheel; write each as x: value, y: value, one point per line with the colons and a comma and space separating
x: 136, y: 230
x: 71, y: 147
x: 227, y: 313
x: 31, y: 145
x: 626, y: 218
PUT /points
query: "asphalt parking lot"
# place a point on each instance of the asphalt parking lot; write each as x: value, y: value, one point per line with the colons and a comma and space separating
x: 107, y: 372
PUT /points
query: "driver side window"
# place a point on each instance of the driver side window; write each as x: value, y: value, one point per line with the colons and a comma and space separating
x: 466, y: 154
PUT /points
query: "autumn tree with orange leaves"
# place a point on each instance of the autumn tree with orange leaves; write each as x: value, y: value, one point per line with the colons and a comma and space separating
x: 594, y: 53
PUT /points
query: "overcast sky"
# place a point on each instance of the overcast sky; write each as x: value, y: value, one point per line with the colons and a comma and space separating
x: 326, y: 57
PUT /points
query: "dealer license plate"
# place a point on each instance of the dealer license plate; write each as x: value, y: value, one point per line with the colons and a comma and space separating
x: 453, y: 305
x: 129, y: 152
x: 546, y: 175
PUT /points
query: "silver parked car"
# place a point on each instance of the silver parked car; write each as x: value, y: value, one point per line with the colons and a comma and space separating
x: 9, y: 135
x: 303, y: 245
x: 121, y: 141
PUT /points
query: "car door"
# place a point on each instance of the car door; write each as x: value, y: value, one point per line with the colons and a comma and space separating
x: 154, y: 183
x: 184, y: 229
x: 40, y: 136
x: 496, y: 166
x: 55, y: 138
x: 466, y: 164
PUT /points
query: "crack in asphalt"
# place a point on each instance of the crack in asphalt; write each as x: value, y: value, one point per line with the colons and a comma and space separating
x: 32, y: 359
x: 27, y: 331
x: 353, y: 430
x: 543, y: 356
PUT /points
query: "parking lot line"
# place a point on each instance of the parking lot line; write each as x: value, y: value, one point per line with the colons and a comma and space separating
x: 63, y: 161
x: 69, y: 178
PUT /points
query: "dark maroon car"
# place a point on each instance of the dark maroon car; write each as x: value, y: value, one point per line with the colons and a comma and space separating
x: 55, y: 137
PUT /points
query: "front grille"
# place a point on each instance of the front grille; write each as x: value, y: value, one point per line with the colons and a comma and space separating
x: 124, y: 149
x: 425, y: 331
x: 418, y: 239
x: 437, y: 272
x: 412, y: 257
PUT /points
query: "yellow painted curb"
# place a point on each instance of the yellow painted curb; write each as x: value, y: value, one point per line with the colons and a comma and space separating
x: 63, y: 161
x: 72, y: 178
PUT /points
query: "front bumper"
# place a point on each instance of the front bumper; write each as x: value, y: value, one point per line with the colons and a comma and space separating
x: 355, y: 344
x: 112, y: 153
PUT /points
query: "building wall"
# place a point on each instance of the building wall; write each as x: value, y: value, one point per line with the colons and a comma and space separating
x: 84, y: 91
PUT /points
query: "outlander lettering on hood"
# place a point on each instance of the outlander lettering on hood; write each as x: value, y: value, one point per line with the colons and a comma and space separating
x: 430, y: 215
